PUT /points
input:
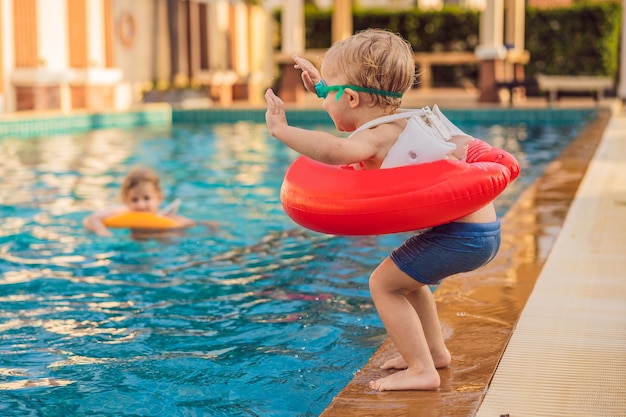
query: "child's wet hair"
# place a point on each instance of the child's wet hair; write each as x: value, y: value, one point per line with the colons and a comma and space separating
x: 378, y: 59
x: 138, y: 175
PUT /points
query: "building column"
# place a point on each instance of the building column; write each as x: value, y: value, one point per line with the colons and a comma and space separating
x: 514, y: 29
x: 491, y: 50
x: 3, y: 69
x: 293, y: 42
x: 217, y: 25
x: 517, y: 57
x: 342, y: 25
x: 292, y: 27
x: 220, y: 76
x: 239, y: 39
x: 40, y: 78
x: 259, y: 40
x: 621, y: 89
x: 193, y: 40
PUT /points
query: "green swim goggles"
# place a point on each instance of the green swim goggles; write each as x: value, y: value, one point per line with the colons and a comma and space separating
x: 322, y: 90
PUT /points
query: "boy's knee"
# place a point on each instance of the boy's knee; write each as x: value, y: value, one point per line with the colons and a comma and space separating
x: 374, y: 282
x: 380, y: 284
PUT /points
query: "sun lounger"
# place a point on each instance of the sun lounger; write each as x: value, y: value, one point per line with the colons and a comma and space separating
x: 573, y: 83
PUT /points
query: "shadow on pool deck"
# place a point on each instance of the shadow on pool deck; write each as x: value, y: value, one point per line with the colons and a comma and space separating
x: 479, y: 310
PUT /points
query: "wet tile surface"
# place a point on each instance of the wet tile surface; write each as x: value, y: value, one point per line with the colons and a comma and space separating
x: 567, y: 356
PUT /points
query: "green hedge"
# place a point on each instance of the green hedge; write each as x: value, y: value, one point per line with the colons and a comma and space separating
x: 451, y: 29
x: 580, y: 40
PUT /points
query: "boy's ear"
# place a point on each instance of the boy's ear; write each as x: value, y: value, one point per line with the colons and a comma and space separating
x: 353, y: 97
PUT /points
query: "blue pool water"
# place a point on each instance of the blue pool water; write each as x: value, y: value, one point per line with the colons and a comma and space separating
x: 258, y: 318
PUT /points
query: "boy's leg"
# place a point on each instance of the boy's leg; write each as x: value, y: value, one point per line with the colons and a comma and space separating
x: 389, y: 288
x: 423, y: 302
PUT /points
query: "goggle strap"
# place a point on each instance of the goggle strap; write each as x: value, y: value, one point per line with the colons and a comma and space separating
x: 322, y: 89
x: 373, y: 91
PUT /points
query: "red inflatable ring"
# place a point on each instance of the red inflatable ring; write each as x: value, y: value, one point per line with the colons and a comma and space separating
x: 329, y: 199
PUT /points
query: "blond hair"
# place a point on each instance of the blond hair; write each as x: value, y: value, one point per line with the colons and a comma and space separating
x: 136, y: 176
x: 378, y: 59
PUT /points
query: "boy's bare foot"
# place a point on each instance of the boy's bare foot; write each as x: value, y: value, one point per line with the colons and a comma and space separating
x: 396, y: 363
x: 441, y: 360
x: 408, y: 380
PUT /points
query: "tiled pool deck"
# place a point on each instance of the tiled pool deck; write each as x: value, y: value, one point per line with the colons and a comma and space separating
x: 567, y: 353
x: 541, y: 331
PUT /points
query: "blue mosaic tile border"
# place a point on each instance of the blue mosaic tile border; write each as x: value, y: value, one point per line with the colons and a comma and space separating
x: 464, y: 116
x: 208, y: 116
x: 46, y: 125
x: 528, y: 116
x: 22, y: 126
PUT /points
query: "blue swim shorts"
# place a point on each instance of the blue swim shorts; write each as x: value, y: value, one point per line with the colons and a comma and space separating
x: 447, y: 250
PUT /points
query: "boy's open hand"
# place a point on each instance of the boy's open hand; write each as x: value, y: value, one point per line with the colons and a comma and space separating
x: 310, y: 75
x: 275, y: 115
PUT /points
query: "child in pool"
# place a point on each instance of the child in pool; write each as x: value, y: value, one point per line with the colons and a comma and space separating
x: 141, y: 191
x: 363, y: 78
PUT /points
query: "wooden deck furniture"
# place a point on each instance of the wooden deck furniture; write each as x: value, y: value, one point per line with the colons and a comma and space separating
x: 554, y: 84
x: 426, y: 60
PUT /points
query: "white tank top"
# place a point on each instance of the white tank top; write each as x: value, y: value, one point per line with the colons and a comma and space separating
x: 426, y: 138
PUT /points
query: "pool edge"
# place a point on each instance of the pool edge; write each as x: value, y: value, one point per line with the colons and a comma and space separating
x: 37, y: 124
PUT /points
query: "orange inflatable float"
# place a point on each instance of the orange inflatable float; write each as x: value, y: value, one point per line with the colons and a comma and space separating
x: 329, y: 199
x: 140, y: 220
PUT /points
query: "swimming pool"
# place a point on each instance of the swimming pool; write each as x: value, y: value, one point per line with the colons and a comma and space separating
x: 259, y: 318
